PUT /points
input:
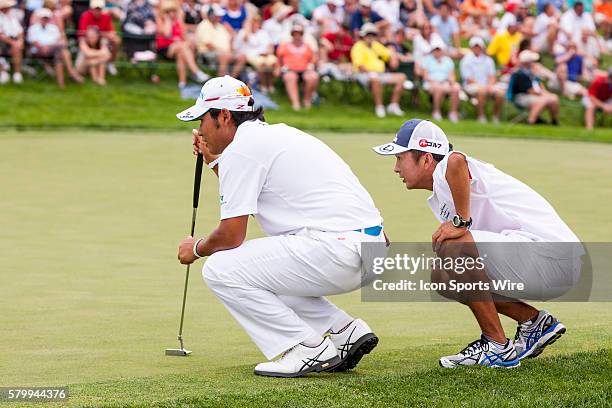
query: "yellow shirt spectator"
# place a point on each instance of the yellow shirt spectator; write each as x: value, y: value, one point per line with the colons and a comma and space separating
x: 371, y: 58
x: 216, y: 35
x: 502, y: 45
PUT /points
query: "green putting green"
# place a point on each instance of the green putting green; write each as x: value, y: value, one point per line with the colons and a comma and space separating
x: 91, y: 288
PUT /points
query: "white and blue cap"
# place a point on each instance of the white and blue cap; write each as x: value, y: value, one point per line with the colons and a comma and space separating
x: 417, y: 134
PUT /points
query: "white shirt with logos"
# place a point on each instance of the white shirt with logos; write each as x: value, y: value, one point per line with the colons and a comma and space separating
x: 499, y: 203
x: 290, y: 180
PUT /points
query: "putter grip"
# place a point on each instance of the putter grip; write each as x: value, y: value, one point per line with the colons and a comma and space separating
x: 197, y: 179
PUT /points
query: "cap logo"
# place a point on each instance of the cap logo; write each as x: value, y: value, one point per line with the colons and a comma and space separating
x: 428, y: 143
x: 244, y: 91
x: 387, y: 148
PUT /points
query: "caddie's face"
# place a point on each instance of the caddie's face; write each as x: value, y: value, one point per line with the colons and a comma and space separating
x: 410, y: 170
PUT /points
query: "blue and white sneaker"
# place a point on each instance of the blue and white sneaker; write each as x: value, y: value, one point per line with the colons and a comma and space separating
x: 484, y: 352
x: 533, y: 336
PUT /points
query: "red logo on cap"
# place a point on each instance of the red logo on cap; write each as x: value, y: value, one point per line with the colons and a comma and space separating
x: 423, y: 143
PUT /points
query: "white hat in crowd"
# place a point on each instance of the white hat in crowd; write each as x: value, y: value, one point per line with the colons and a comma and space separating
x: 528, y: 56
x: 476, y: 41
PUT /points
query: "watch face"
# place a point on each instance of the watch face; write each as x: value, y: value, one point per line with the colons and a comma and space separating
x: 456, y: 221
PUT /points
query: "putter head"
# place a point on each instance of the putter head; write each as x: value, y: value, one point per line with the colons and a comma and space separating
x: 178, y: 352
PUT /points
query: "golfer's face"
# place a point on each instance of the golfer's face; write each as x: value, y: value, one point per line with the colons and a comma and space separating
x: 407, y: 169
x: 210, y: 133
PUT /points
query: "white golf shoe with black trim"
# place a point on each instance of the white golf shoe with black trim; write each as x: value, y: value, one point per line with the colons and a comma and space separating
x: 484, y: 352
x: 533, y: 336
x: 352, y: 343
x: 300, y: 360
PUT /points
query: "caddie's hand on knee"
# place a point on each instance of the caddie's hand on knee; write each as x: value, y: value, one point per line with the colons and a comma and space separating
x: 185, y: 251
x: 446, y: 231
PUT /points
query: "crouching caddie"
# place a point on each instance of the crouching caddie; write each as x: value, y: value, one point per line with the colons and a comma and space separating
x: 517, y: 234
x: 315, y: 214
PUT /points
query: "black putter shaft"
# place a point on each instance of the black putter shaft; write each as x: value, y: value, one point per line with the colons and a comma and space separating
x: 196, y: 198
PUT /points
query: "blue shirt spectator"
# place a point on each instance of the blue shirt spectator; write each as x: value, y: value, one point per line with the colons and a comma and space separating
x: 541, y: 4
x: 438, y: 69
x: 235, y: 18
x: 364, y: 15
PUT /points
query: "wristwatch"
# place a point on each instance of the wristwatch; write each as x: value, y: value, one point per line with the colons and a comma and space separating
x: 460, y: 222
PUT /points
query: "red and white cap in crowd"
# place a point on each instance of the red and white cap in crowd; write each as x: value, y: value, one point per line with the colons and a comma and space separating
x: 219, y: 93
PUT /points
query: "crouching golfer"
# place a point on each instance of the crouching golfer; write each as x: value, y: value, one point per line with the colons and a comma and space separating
x: 478, y: 205
x: 315, y: 213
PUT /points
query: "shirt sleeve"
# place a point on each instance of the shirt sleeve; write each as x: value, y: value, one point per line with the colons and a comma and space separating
x: 241, y: 180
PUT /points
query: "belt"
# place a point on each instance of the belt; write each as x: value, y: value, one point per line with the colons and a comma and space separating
x: 373, y: 231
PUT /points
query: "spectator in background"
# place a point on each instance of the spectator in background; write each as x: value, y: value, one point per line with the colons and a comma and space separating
x: 588, y: 4
x: 471, y: 9
x: 546, y: 28
x: 214, y: 42
x: 235, y: 16
x: 139, y: 18
x: 603, y: 17
x: 296, y: 62
x: 171, y: 44
x: 46, y: 41
x: 335, y: 53
x: 575, y: 23
x: 569, y: 72
x: 439, y: 77
x: 365, y: 14
x: 389, y: 10
x: 274, y: 25
x: 11, y: 39
x: 257, y: 46
x: 95, y: 16
x: 93, y: 55
x: 599, y: 97
x: 192, y: 14
x: 328, y: 17
x: 411, y: 14
x: 505, y: 42
x: 447, y: 26
x: 541, y: 5
x: 527, y: 92
x: 369, y: 57
x: 422, y: 44
x: 61, y: 13
x: 307, y: 7
x: 478, y: 76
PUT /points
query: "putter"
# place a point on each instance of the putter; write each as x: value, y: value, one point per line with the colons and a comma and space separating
x: 182, y: 352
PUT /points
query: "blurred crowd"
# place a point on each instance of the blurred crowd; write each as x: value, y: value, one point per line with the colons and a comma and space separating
x: 524, y: 52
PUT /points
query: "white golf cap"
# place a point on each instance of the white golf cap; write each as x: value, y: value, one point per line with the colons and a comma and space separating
x: 476, y: 41
x: 368, y: 28
x: 365, y: 3
x: 44, y: 13
x: 438, y: 43
x: 96, y: 4
x: 219, y: 93
x: 528, y: 56
x: 416, y: 134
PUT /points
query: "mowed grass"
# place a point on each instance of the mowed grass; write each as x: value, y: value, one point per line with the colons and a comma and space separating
x: 91, y: 289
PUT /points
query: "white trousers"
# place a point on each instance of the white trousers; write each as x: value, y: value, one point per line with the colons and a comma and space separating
x: 274, y: 286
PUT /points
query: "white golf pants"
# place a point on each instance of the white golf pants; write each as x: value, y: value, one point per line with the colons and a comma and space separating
x: 274, y: 286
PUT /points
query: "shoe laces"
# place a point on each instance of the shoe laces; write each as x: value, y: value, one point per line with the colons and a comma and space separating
x: 475, y: 346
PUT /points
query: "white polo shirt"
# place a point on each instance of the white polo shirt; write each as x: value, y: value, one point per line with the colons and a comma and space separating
x: 290, y: 180
x: 499, y: 203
